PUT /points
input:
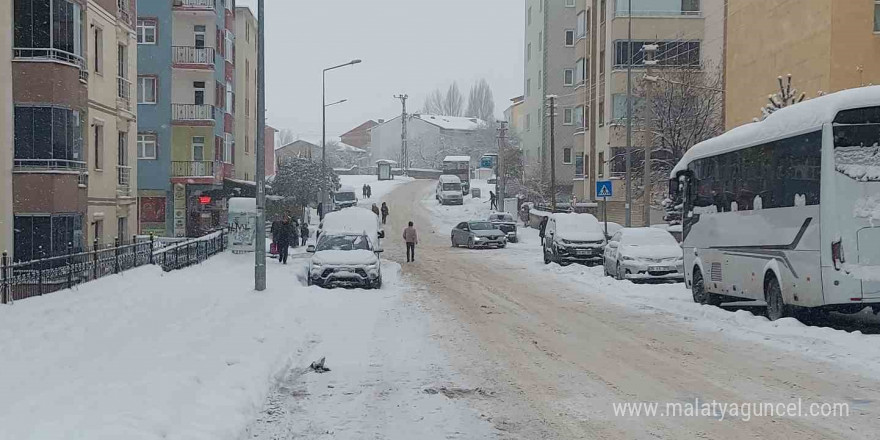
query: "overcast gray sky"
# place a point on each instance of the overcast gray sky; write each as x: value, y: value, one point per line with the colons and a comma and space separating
x: 407, y: 46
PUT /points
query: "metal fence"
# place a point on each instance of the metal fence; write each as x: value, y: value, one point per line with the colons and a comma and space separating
x: 21, y: 280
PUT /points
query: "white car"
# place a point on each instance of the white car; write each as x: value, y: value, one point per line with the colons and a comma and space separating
x: 354, y: 220
x: 644, y: 254
x: 448, y: 191
x: 573, y: 238
x: 345, y: 260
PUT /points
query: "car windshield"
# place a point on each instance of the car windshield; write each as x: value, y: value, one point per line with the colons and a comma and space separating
x: 501, y: 218
x: 345, y: 197
x: 451, y: 187
x: 648, y: 237
x: 574, y: 223
x: 481, y: 226
x: 343, y: 243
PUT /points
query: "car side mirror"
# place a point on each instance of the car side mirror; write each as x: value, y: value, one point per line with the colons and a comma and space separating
x: 311, y: 249
x: 381, y: 234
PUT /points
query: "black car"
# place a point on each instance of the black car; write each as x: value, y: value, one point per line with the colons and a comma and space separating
x: 506, y: 223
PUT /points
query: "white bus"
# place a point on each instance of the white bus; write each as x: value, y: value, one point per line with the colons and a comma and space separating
x: 786, y: 211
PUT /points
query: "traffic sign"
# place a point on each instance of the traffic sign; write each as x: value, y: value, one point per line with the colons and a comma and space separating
x: 604, y: 188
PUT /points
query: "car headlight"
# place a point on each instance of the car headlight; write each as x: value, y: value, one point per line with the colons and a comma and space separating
x: 317, y: 264
x: 627, y: 258
x: 477, y: 238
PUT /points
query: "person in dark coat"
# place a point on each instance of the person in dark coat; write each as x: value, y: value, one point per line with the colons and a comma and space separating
x: 369, y: 191
x: 294, y: 233
x: 542, y: 226
x: 376, y: 210
x: 304, y: 232
x: 493, y: 200
x: 321, y: 210
x: 364, y: 191
x: 285, y: 234
x: 384, y: 211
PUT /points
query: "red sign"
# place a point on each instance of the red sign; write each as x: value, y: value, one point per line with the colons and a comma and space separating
x: 204, y: 200
x: 153, y: 209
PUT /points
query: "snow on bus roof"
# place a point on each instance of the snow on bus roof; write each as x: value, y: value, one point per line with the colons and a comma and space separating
x: 457, y: 159
x: 797, y: 119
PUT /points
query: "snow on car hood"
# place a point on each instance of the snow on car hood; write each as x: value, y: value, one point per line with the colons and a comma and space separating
x: 651, y: 251
x: 487, y: 232
x: 345, y: 258
x: 580, y: 235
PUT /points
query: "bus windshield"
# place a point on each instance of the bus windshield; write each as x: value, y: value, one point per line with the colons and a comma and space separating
x: 451, y: 187
x: 345, y: 197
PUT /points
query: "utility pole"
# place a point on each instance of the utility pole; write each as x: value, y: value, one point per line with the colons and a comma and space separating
x: 552, y: 115
x: 502, y: 173
x: 260, y: 174
x: 404, y: 148
x: 650, y: 81
x: 629, y: 111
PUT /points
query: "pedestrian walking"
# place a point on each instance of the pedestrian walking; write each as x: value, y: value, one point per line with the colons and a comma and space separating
x: 376, y: 210
x: 285, y: 233
x: 294, y: 233
x: 321, y: 210
x: 542, y: 227
x: 369, y: 191
x: 384, y: 211
x: 304, y: 232
x: 274, y: 230
x: 364, y: 191
x: 411, y: 237
x: 493, y: 200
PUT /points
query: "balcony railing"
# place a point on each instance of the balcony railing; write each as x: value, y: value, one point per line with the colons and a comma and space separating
x: 193, y: 55
x: 123, y: 10
x: 192, y: 168
x: 49, y: 165
x: 192, y: 112
x: 195, y: 4
x: 123, y: 91
x: 49, y: 53
x: 123, y: 180
x: 658, y: 13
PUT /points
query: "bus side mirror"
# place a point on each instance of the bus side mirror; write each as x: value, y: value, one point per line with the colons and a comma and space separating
x: 311, y: 249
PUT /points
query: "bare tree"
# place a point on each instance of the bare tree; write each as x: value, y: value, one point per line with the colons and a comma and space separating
x: 481, y: 104
x: 284, y: 137
x: 453, y: 105
x: 434, y: 103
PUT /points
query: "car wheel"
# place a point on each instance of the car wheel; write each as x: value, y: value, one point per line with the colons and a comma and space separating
x: 378, y: 283
x: 452, y: 239
x: 546, y: 256
x: 776, y: 307
x: 698, y: 288
x: 502, y: 245
x: 470, y: 243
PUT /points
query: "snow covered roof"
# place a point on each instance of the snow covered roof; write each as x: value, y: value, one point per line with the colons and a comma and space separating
x: 451, y: 122
x: 457, y: 159
x: 789, y: 121
x: 342, y: 146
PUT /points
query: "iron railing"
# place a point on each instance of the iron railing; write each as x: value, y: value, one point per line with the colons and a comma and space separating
x: 192, y: 168
x: 123, y: 10
x: 192, y: 112
x: 49, y: 165
x: 23, y: 280
x: 192, y: 55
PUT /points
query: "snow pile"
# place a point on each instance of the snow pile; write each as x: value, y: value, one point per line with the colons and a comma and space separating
x: 580, y: 227
x: 192, y: 354
x: 867, y: 207
x: 380, y: 187
x: 860, y: 163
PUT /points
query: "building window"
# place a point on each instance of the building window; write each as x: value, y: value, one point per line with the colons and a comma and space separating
x: 578, y: 117
x: 99, y: 145
x: 122, y: 61
x: 601, y: 114
x: 579, y: 70
x: 569, y: 3
x: 47, y: 136
x: 602, y: 11
x: 529, y: 52
x: 121, y: 229
x: 529, y: 122
x: 230, y: 99
x: 199, y: 92
x: 48, y: 24
x: 653, y: 8
x: 230, y: 46
x: 581, y: 24
x: 146, y: 31
x: 618, y: 112
x: 47, y: 235
x: 228, y: 147
x: 146, y: 89
x: 122, y: 149
x: 198, y: 148
x: 569, y: 37
x: 529, y: 16
x: 579, y: 166
x: 540, y: 41
x: 199, y: 36
x: 601, y: 164
x: 567, y: 116
x: 247, y: 144
x: 669, y: 53
x: 877, y: 16
x: 99, y: 50
x: 146, y: 145
x: 529, y: 87
x: 566, y: 155
x: 568, y: 77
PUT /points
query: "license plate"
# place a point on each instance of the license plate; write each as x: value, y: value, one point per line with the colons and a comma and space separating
x: 585, y: 252
x: 661, y: 269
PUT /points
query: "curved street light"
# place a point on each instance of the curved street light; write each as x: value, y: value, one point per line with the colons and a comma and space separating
x: 324, y: 106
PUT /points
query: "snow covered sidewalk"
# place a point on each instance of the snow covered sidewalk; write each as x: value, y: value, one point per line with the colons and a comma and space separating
x: 193, y: 354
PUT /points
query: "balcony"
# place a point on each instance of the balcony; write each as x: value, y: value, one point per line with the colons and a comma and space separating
x: 50, y: 165
x: 123, y: 10
x: 123, y: 180
x: 123, y: 93
x: 192, y: 168
x: 199, y: 5
x: 197, y: 114
x: 52, y: 54
x: 193, y: 57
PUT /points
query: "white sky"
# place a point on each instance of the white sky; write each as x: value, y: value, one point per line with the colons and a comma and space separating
x: 407, y: 46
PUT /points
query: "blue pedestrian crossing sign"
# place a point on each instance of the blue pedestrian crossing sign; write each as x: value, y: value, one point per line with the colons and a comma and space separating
x: 604, y: 188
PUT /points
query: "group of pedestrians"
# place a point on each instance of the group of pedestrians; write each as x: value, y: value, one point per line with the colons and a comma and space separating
x: 367, y: 191
x: 381, y: 212
x: 287, y: 233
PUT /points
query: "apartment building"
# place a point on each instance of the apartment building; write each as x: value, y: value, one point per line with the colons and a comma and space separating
x: 549, y: 51
x: 6, y: 129
x: 827, y: 45
x: 269, y: 150
x: 50, y: 98
x: 245, y: 93
x: 186, y: 124
x: 112, y: 122
x: 687, y: 33
x: 514, y: 115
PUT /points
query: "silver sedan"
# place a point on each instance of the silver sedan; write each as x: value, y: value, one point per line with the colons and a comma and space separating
x: 475, y: 234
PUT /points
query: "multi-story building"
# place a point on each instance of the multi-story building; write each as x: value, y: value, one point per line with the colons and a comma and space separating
x: 429, y: 138
x: 514, y: 115
x: 687, y: 33
x: 112, y: 132
x: 269, y: 149
x: 6, y: 128
x: 186, y: 100
x: 50, y: 86
x: 245, y: 93
x: 549, y: 51
x: 827, y: 46
x: 360, y: 136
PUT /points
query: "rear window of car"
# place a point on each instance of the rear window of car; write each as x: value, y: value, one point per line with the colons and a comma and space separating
x: 481, y: 226
x: 648, y: 237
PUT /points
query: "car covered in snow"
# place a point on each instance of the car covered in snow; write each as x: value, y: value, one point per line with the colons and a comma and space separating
x: 506, y: 223
x: 644, y: 254
x: 479, y: 233
x: 356, y: 220
x: 345, y: 259
x: 573, y: 238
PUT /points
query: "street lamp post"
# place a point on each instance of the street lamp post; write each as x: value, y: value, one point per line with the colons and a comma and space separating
x: 324, y: 129
x: 260, y: 174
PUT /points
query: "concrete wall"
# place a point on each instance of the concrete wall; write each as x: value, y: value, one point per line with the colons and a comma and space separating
x: 181, y: 137
x: 385, y: 138
x: 6, y: 128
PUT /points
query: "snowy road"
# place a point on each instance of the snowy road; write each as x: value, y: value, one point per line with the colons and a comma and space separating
x: 554, y: 359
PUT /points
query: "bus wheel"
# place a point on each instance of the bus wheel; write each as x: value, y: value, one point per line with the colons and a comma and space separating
x: 776, y: 307
x: 698, y: 288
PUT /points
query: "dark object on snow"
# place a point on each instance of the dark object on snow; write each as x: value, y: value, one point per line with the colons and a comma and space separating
x: 318, y: 367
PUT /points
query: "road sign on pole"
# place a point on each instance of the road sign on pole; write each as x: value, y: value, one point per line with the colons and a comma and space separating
x: 604, y: 188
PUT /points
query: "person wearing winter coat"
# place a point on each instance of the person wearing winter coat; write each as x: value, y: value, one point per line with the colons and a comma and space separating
x: 542, y: 227
x: 285, y: 234
x: 384, y: 211
x: 364, y: 191
x: 411, y: 237
x: 304, y: 232
x: 493, y: 200
x: 376, y: 210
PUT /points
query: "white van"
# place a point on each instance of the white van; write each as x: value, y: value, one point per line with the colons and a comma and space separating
x: 345, y: 197
x: 449, y: 190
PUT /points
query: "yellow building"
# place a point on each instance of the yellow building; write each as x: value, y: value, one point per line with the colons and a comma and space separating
x: 245, y: 93
x: 826, y: 45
